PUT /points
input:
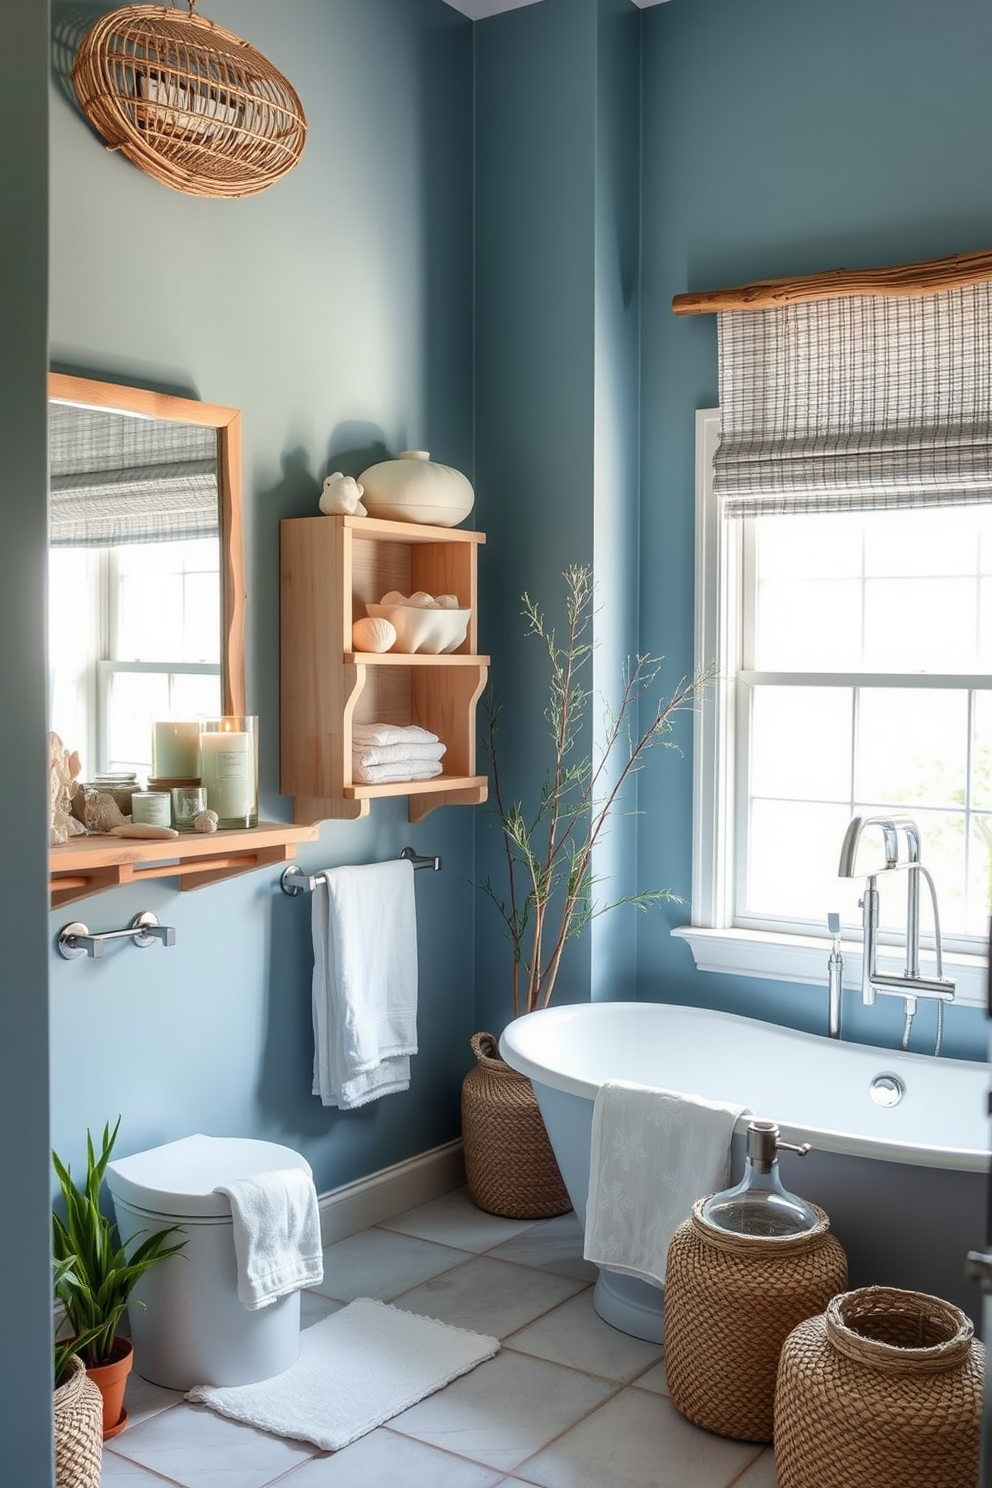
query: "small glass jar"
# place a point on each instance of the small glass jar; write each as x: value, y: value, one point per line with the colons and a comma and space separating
x: 151, y: 808
x: 120, y: 785
x: 187, y: 803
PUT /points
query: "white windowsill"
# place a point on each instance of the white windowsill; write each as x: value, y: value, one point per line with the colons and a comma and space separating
x: 802, y: 958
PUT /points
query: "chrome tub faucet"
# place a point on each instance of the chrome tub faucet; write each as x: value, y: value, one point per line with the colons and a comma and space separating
x: 910, y: 985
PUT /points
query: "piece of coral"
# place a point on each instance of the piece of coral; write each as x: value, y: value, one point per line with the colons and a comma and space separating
x: 101, y: 812
x: 342, y: 493
x: 63, y: 773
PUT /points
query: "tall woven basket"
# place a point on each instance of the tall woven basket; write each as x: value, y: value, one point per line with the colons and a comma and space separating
x: 730, y: 1303
x: 78, y: 1430
x: 509, y: 1163
x: 884, y: 1390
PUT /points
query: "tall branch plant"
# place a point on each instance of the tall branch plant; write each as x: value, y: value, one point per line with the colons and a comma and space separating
x: 551, y: 893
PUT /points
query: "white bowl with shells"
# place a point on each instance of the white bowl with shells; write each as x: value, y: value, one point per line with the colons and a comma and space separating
x: 422, y: 623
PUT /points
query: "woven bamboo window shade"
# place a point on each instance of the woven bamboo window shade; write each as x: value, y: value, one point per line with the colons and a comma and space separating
x: 192, y: 105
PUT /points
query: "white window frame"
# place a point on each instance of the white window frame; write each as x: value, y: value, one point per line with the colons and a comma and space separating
x: 717, y: 944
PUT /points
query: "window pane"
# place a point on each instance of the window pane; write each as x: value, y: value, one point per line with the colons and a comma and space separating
x: 810, y: 547
x: 793, y: 850
x: 807, y: 625
x: 801, y: 742
x: 925, y: 541
x: 201, y: 629
x: 980, y: 875
x: 981, y: 752
x: 921, y: 625
x: 194, y: 696
x: 911, y: 746
x: 134, y: 700
x: 149, y: 617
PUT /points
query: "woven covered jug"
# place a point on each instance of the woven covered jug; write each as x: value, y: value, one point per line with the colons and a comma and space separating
x: 78, y: 1408
x: 509, y: 1164
x: 730, y: 1303
x: 884, y: 1390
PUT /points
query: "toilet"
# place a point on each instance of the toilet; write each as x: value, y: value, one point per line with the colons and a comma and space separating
x: 193, y: 1329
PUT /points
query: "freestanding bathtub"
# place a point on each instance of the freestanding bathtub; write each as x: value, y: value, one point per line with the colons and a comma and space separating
x: 904, y: 1184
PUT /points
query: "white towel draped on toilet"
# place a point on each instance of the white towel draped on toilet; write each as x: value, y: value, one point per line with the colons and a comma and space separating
x: 364, y: 982
x: 276, y: 1234
x: 654, y: 1153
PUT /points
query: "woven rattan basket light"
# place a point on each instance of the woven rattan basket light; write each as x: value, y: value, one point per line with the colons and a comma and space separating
x: 510, y: 1167
x: 191, y: 104
x: 78, y: 1407
x: 730, y: 1303
x: 884, y: 1390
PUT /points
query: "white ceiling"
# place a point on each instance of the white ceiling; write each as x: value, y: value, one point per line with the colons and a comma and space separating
x: 477, y: 10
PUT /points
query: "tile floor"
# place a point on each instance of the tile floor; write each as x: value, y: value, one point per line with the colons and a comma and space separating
x: 568, y: 1402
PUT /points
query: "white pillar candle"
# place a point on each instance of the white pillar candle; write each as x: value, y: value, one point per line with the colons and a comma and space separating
x: 227, y: 769
x: 175, y: 750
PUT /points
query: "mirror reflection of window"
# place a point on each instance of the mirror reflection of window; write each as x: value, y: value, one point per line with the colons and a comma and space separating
x: 134, y: 582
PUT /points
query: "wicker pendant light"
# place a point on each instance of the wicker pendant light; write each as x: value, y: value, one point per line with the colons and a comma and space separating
x: 191, y: 104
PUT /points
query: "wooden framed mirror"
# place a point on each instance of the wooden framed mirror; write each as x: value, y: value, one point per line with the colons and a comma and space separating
x: 113, y: 451
x: 90, y: 864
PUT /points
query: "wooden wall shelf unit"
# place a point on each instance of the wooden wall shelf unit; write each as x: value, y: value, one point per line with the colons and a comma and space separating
x: 89, y: 865
x: 332, y: 566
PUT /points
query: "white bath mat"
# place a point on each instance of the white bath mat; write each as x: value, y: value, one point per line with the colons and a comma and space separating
x: 356, y: 1369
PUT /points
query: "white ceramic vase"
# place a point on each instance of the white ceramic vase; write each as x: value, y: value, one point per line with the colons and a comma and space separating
x: 416, y: 488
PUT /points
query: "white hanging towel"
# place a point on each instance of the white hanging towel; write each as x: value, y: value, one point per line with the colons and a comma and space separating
x: 654, y: 1153
x: 364, y: 983
x: 276, y: 1234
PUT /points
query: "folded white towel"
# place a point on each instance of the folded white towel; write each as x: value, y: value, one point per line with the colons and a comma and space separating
x: 417, y: 769
x: 276, y: 1234
x: 391, y: 754
x: 654, y: 1153
x: 391, y: 733
x: 364, y: 982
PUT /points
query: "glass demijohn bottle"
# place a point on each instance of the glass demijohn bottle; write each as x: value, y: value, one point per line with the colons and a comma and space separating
x: 759, y: 1204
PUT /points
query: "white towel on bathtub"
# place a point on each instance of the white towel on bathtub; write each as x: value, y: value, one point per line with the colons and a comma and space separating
x: 654, y: 1152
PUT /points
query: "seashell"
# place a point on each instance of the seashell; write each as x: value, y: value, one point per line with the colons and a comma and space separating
x: 373, y: 634
x: 394, y: 597
x: 101, y: 812
x: 342, y: 493
x: 422, y: 601
x: 206, y: 821
x: 447, y: 602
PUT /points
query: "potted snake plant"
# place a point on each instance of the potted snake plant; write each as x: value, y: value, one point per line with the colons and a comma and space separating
x: 95, y: 1276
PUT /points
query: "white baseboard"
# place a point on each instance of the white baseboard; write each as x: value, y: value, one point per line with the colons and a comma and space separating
x: 354, y: 1206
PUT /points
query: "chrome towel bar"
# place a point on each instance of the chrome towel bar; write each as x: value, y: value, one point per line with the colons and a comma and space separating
x: 76, y: 940
x: 295, y: 881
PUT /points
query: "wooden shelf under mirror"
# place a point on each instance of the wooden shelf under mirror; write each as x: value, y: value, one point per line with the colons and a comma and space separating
x: 90, y: 865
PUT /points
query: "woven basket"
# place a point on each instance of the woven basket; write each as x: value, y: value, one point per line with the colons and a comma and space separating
x: 730, y: 1303
x: 189, y: 103
x: 78, y: 1430
x: 509, y: 1163
x: 884, y: 1390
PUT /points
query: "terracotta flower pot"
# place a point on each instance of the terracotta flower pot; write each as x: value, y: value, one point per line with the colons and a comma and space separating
x: 111, y: 1380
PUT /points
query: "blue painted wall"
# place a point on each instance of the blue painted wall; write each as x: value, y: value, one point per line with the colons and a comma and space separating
x: 25, y: 1399
x: 557, y: 235
x: 335, y: 310
x: 780, y: 139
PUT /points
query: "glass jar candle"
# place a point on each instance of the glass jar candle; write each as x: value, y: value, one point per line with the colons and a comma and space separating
x: 229, y: 769
x: 151, y: 808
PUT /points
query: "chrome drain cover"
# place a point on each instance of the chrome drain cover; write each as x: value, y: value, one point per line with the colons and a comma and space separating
x: 887, y: 1090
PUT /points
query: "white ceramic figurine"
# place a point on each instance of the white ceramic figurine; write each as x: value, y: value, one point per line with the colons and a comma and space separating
x: 342, y: 493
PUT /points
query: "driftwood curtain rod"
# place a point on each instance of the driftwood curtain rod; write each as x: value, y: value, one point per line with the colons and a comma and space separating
x: 904, y: 280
